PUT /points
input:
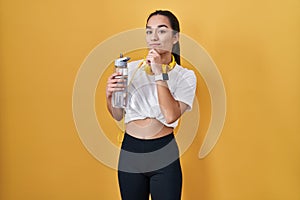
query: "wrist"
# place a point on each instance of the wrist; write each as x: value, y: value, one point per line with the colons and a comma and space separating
x: 157, y: 71
x: 161, y: 77
x: 108, y: 96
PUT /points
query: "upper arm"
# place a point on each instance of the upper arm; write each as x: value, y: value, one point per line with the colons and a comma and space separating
x: 185, y: 90
x: 183, y: 107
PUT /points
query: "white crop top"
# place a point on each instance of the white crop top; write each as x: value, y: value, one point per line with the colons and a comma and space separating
x: 142, y: 92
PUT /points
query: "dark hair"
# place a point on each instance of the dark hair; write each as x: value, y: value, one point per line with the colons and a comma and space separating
x: 176, y: 29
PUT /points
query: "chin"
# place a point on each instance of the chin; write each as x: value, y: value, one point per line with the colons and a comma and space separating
x: 162, y: 51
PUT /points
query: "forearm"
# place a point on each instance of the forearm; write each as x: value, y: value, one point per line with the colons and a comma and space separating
x: 114, y: 85
x: 116, y: 113
x: 171, y: 108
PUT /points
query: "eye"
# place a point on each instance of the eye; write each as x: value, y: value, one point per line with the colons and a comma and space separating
x: 162, y: 31
x: 148, y: 32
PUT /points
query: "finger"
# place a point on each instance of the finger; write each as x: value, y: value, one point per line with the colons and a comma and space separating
x: 149, y: 59
x: 113, y: 89
x: 153, y: 52
x: 113, y: 78
x: 118, y: 82
x: 114, y: 75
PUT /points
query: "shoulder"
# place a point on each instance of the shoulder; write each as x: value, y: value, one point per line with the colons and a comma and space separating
x: 134, y: 63
x: 184, y: 73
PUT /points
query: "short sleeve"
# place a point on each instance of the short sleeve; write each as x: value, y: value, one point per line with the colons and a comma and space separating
x: 185, y: 88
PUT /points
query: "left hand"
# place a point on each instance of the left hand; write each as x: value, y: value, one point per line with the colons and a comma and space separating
x: 154, y: 60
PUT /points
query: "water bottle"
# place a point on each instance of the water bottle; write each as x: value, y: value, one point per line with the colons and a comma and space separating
x: 119, y: 98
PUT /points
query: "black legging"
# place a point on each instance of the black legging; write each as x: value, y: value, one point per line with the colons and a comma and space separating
x: 140, y: 174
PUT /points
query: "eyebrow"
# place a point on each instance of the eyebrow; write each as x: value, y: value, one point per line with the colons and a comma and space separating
x: 159, y: 26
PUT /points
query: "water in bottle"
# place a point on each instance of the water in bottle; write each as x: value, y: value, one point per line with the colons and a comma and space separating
x: 119, y: 98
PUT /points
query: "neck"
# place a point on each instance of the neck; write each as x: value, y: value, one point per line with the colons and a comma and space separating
x: 166, y: 58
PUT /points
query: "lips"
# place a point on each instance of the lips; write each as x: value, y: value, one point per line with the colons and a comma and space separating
x: 155, y: 45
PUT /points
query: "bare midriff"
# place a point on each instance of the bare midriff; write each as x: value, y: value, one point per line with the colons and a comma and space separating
x: 148, y: 128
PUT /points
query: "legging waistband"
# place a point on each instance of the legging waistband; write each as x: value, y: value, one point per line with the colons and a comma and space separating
x: 138, y: 145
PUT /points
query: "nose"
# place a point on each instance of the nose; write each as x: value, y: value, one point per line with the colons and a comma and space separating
x: 154, y: 36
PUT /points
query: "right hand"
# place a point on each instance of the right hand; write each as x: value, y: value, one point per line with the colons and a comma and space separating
x: 154, y: 60
x: 114, y: 84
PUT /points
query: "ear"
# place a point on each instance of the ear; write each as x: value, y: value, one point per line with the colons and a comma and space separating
x: 175, y: 38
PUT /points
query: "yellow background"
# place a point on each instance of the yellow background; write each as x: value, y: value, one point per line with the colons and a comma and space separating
x: 255, y: 45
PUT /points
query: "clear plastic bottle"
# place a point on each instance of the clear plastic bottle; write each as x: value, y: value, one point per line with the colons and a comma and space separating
x: 119, y: 98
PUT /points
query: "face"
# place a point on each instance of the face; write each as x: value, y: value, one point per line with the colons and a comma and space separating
x: 159, y: 34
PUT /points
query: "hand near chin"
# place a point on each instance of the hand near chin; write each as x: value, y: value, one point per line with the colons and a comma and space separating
x: 154, y: 61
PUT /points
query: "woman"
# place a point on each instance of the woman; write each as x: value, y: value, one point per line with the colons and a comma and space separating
x: 159, y: 92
